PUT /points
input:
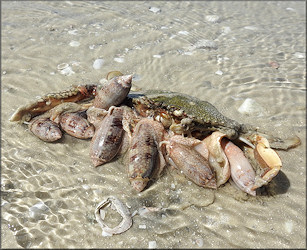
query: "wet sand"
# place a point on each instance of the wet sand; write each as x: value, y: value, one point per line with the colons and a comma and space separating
x: 221, y: 52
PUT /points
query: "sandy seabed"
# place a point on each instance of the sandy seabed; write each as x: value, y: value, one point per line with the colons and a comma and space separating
x: 221, y: 52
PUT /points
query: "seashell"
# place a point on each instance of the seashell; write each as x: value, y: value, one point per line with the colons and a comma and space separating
x: 113, y: 93
x: 45, y: 129
x: 113, y: 74
x: 299, y: 55
x: 74, y: 44
x: 67, y: 71
x: 62, y: 66
x: 183, y: 32
x: 274, y: 65
x: 76, y: 125
x: 119, y: 59
x: 117, y: 205
x: 98, y: 63
x: 152, y: 244
x: 251, y: 107
x: 219, y: 72
x: 242, y: 173
x: 250, y: 28
x: 108, y: 136
x: 184, y: 157
x: 226, y: 30
x: 154, y: 9
x: 212, y: 18
x: 145, y: 160
x: 217, y: 158
x: 73, y: 32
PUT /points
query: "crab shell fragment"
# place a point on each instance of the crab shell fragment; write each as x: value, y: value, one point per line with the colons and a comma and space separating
x: 49, y: 101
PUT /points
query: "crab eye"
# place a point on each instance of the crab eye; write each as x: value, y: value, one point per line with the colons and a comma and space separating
x: 94, y: 92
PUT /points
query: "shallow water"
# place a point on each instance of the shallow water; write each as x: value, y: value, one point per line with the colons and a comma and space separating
x: 216, y: 51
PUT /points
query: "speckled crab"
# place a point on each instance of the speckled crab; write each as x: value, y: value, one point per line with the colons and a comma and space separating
x: 157, y: 128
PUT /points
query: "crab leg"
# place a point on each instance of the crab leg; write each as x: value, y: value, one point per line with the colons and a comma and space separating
x: 246, y: 141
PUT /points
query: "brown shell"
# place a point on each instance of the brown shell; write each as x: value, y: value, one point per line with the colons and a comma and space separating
x: 76, y: 125
x: 45, y: 129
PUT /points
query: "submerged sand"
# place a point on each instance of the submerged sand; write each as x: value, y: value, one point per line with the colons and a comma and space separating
x: 221, y: 52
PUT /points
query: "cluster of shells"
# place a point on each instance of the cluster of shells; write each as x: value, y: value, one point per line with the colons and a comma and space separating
x: 156, y: 129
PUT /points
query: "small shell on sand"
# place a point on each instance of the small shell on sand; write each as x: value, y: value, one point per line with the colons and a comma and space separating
x: 152, y: 244
x: 74, y: 44
x: 119, y: 59
x: 299, y: 55
x: 219, y: 72
x: 274, y: 65
x: 226, y: 30
x: 251, y: 107
x: 154, y: 9
x: 212, y: 18
x: 199, y: 242
x: 72, y: 32
x: 62, y: 66
x: 98, y: 63
x: 67, y: 71
x: 250, y: 28
x: 122, y: 209
x: 183, y: 32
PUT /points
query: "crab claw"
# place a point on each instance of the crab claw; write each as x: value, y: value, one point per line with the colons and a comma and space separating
x: 268, y: 159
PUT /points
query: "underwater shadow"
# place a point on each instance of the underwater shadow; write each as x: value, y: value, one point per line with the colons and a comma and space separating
x: 279, y: 185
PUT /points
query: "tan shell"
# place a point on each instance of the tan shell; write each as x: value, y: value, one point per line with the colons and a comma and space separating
x: 217, y: 158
